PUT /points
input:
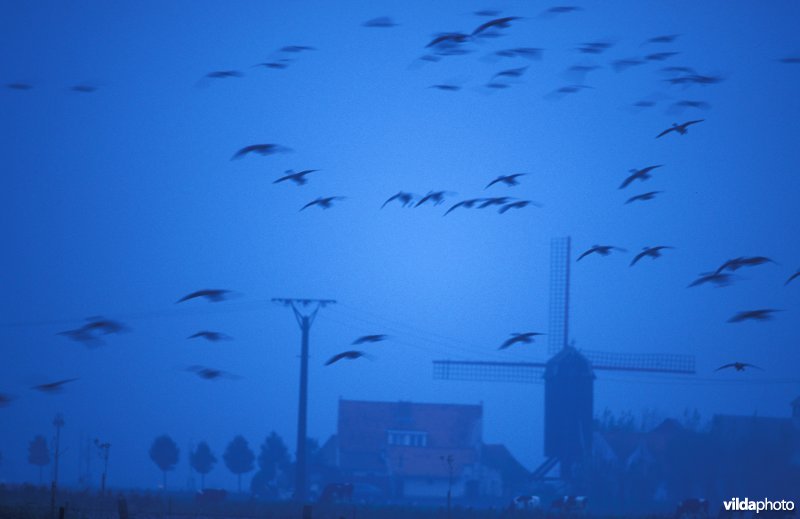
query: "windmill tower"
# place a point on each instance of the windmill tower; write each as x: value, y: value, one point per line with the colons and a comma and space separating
x: 568, y: 375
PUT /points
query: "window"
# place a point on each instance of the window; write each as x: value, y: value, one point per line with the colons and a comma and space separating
x: 408, y: 438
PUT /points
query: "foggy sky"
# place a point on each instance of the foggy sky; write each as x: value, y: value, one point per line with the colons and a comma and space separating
x: 120, y: 201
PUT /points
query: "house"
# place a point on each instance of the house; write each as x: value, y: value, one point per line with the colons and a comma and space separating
x: 415, y: 450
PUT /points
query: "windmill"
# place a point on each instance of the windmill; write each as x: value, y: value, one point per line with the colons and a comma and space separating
x: 568, y: 376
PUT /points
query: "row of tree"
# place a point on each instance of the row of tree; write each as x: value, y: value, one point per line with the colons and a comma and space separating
x: 274, y: 463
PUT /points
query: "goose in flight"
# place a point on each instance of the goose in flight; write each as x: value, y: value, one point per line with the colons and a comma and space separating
x: 519, y: 338
x: 497, y: 23
x: 509, y: 180
x: 298, y: 177
x: 736, y: 263
x: 764, y: 314
x: 682, y: 129
x: 738, y: 366
x: 214, y: 295
x: 653, y: 252
x: 519, y: 204
x: 792, y: 277
x: 53, y: 387
x: 449, y: 38
x: 382, y: 22
x: 665, y: 38
x: 369, y: 338
x: 209, y: 336
x: 211, y: 373
x: 324, y: 203
x: 437, y: 197
x: 405, y: 198
x: 641, y: 174
x: 222, y: 74
x: 603, y: 250
x: 352, y: 354
x: 720, y: 279
x: 644, y: 196
x: 261, y: 149
x: 468, y: 204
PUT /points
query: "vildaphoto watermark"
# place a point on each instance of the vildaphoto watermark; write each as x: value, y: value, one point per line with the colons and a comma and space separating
x: 742, y: 505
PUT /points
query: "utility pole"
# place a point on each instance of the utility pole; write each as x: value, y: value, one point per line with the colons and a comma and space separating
x: 304, y: 320
x: 103, y: 447
x: 58, y: 422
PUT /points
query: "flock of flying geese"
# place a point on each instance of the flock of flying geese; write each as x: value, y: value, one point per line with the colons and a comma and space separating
x: 441, y: 46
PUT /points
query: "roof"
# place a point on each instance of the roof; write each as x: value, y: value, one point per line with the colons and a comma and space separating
x: 499, y: 458
x: 569, y: 363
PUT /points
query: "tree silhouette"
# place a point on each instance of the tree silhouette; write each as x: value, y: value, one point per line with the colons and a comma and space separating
x: 203, y: 460
x: 39, y: 454
x: 239, y: 458
x: 164, y: 453
x: 273, y: 462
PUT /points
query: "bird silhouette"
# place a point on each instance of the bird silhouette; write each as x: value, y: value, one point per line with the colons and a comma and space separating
x: 653, y: 252
x: 519, y: 338
x: 104, y: 326
x: 279, y: 64
x: 214, y: 295
x: 641, y: 174
x: 369, y: 339
x: 498, y: 200
x: 351, y: 354
x: 53, y: 387
x: 520, y: 52
x: 510, y: 73
x: 719, y: 279
x: 405, y: 198
x: 594, y: 47
x: 681, y: 129
x: 382, y: 22
x: 677, y: 69
x: 448, y: 38
x: 621, y: 65
x: 792, y: 277
x: 497, y: 23
x: 437, y: 197
x: 19, y: 86
x: 563, y: 91
x: 5, y: 399
x: 296, y: 48
x: 738, y: 366
x: 84, y: 88
x: 261, y: 149
x: 211, y: 373
x: 509, y: 180
x: 519, y: 204
x: 644, y: 196
x: 468, y: 204
x: 324, y: 203
x: 666, y: 38
x: 660, y: 56
x: 790, y: 59
x: 736, y: 263
x: 222, y: 74
x: 764, y: 314
x: 298, y: 177
x: 446, y: 87
x: 680, y: 106
x: 209, y: 336
x: 560, y: 9
x: 603, y: 250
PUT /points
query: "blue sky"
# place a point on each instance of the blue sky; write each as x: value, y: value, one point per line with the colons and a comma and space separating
x: 120, y: 201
